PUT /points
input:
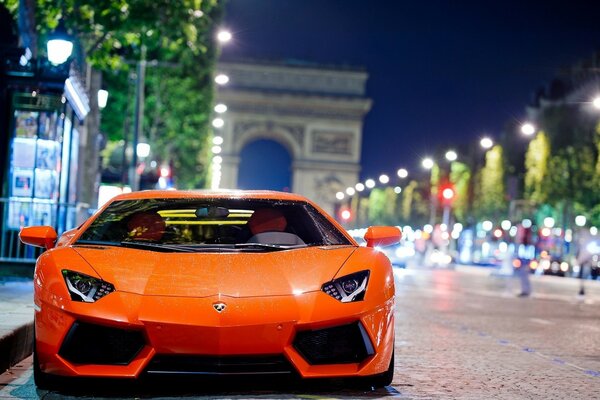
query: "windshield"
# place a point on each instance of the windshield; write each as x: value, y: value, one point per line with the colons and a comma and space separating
x: 217, y: 224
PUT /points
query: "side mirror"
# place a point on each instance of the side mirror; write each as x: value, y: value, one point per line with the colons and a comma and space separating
x: 40, y: 236
x: 382, y: 236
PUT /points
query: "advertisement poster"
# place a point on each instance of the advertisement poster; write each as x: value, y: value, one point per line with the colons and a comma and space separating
x: 19, y: 215
x: 22, y: 182
x: 26, y: 124
x: 45, y: 183
x: 23, y: 153
x: 47, y: 154
x: 47, y: 125
x: 42, y: 214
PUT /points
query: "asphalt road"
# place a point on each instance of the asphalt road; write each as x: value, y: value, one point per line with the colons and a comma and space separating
x: 459, y: 334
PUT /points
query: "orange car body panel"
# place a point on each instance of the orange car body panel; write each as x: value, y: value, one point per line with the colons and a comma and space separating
x: 169, y: 297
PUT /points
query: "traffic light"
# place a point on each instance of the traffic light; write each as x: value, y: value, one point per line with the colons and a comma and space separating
x: 345, y: 214
x: 447, y: 194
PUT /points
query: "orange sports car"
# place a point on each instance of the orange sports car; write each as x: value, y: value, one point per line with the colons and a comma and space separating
x: 212, y: 283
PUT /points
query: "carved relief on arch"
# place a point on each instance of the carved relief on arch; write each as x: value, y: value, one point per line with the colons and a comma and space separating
x: 289, y: 135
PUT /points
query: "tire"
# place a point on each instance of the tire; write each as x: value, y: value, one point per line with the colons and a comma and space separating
x: 42, y: 379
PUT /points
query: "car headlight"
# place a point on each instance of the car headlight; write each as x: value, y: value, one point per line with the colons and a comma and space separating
x: 348, y: 288
x: 86, y: 288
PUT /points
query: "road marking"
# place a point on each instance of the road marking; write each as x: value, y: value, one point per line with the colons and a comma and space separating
x: 541, y: 321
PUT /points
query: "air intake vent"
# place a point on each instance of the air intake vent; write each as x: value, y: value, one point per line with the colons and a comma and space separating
x: 96, y: 344
x: 342, y: 344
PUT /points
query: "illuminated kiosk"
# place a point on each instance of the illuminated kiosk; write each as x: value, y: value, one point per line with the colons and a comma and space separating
x: 315, y: 112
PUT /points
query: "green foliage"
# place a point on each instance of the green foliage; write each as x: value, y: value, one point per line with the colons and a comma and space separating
x: 382, y: 207
x: 414, y: 205
x: 460, y: 176
x: 536, y: 164
x: 489, y: 200
x: 181, y: 53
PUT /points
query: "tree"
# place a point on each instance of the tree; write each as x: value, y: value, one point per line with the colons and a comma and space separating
x: 489, y: 200
x: 460, y: 177
x: 414, y: 205
x: 178, y: 40
x: 382, y: 206
x: 536, y: 165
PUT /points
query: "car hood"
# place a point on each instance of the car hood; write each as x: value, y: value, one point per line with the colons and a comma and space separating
x: 242, y: 274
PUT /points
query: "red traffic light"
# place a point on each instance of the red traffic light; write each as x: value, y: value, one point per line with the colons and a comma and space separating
x: 345, y: 214
x: 448, y: 193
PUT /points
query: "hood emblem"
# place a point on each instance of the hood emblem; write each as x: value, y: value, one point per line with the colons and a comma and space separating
x: 219, y: 307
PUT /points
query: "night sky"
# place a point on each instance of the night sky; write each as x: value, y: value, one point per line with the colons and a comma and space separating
x: 441, y: 72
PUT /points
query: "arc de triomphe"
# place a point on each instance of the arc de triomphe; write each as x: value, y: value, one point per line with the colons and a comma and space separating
x: 315, y: 112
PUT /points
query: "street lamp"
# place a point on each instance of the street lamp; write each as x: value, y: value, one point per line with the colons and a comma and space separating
x: 102, y: 98
x: 402, y: 173
x: 486, y: 142
x: 350, y: 191
x: 451, y: 155
x: 527, y: 129
x: 218, y: 140
x: 370, y: 183
x: 218, y: 122
x: 596, y: 102
x: 427, y: 163
x: 221, y: 79
x: 224, y: 36
x: 384, y: 179
x: 59, y: 45
x: 220, y: 108
x: 339, y: 195
x: 359, y: 187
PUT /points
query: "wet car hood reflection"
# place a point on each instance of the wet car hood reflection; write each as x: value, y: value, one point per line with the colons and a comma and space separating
x: 207, y: 274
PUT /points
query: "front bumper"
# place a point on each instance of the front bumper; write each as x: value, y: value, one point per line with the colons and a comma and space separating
x: 186, y: 334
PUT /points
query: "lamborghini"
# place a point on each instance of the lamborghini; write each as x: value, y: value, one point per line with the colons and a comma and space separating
x: 212, y: 283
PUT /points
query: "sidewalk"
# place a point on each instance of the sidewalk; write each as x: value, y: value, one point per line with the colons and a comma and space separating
x: 16, y: 320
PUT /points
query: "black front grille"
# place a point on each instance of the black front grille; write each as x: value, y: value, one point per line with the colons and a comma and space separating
x: 96, y: 344
x: 342, y: 344
x: 211, y: 365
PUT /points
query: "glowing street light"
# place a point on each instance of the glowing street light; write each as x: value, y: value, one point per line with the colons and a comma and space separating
x: 143, y: 150
x: 486, y: 142
x: 427, y: 163
x: 220, y: 108
x: 216, y: 149
x: 224, y: 36
x: 451, y: 155
x: 218, y: 122
x: 402, y: 173
x: 397, y: 190
x: 218, y: 140
x: 350, y: 191
x: 221, y: 79
x: 339, y: 195
x: 596, y: 103
x: 370, y: 183
x: 359, y: 187
x: 527, y: 129
x: 580, y: 220
x: 102, y: 98
x: 59, y: 46
x: 384, y: 179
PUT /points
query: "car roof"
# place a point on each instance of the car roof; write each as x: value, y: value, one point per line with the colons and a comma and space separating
x: 211, y: 194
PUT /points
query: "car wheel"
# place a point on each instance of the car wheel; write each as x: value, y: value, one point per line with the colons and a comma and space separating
x: 385, y: 378
x: 42, y: 379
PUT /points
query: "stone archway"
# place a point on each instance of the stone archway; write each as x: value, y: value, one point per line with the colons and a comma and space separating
x: 316, y: 113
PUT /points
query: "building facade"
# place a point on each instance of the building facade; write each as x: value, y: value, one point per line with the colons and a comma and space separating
x: 315, y: 112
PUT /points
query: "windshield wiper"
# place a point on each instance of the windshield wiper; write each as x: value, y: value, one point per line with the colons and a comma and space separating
x: 268, y: 246
x: 155, y: 246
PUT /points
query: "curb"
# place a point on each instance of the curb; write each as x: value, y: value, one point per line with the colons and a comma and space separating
x: 16, y: 345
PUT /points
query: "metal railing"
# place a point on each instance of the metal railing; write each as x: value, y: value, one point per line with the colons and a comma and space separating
x: 16, y: 213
